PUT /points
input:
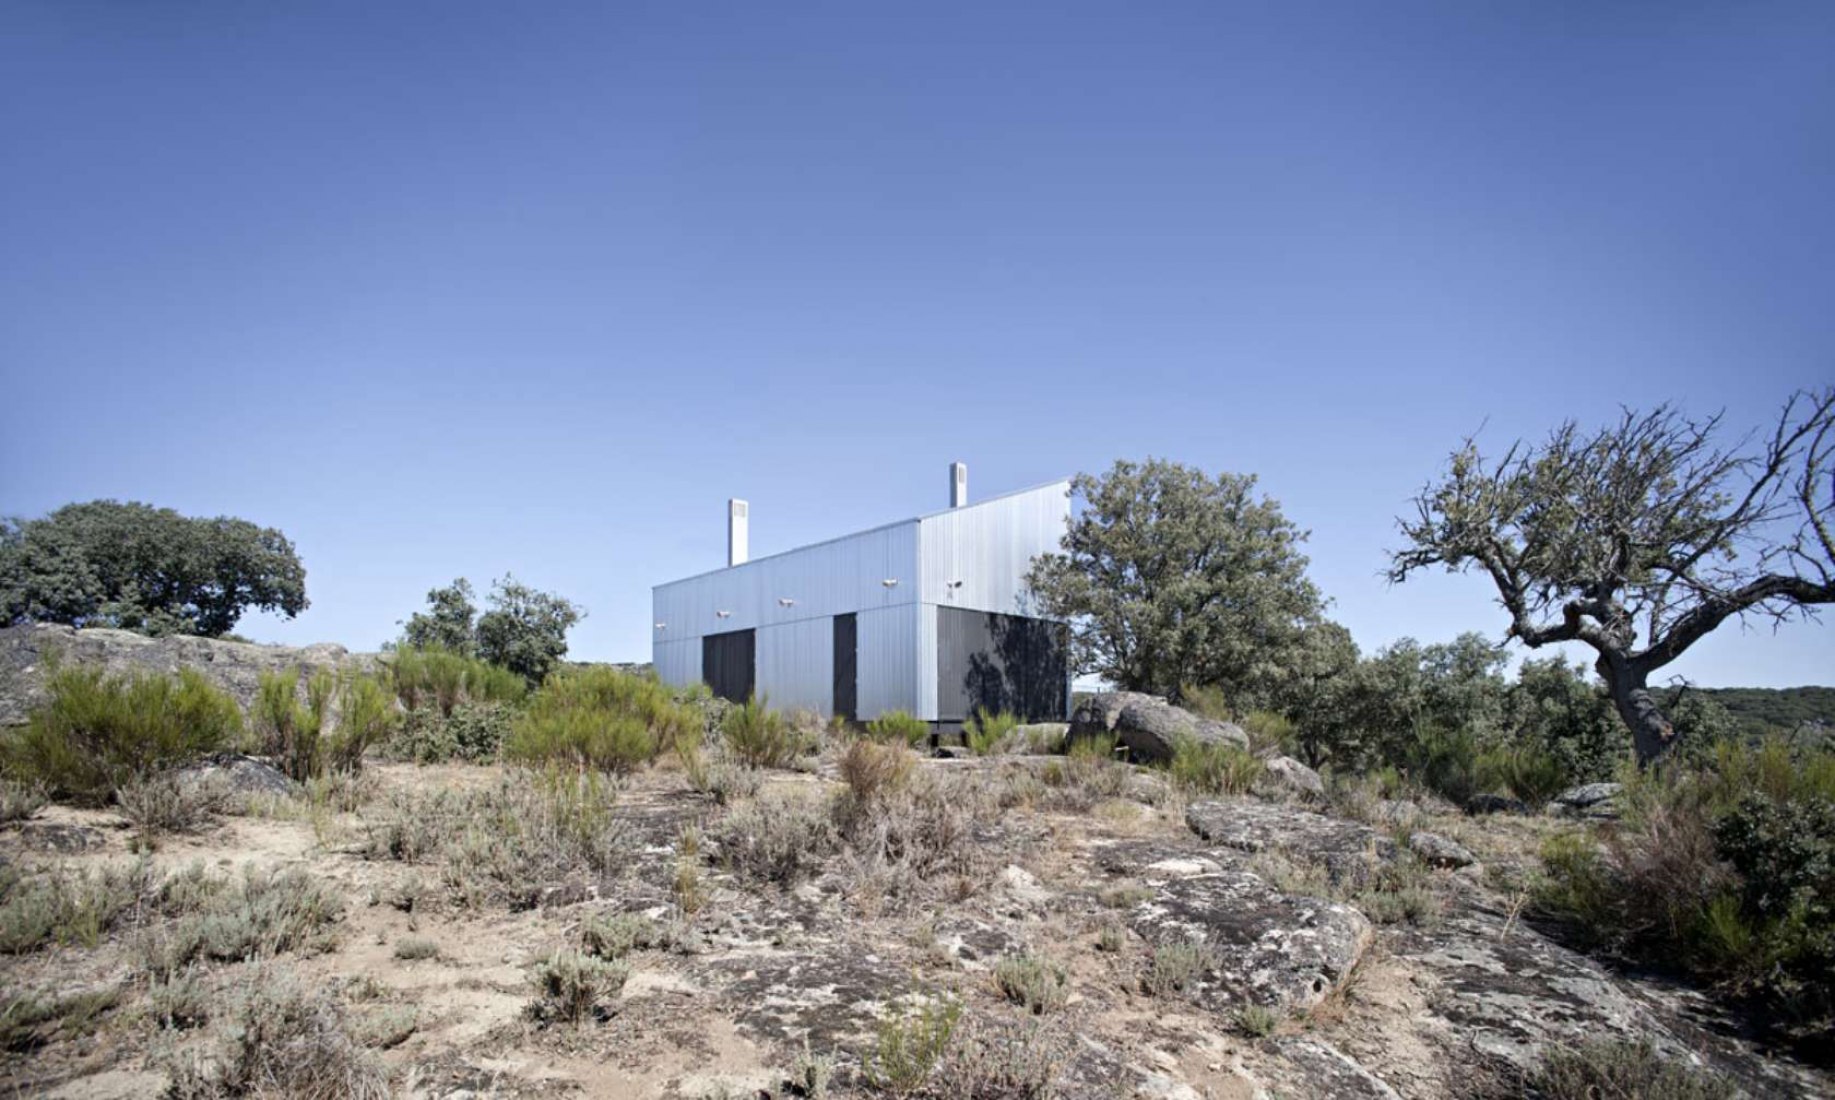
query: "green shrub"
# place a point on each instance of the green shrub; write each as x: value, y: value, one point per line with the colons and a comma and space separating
x: 531, y: 833
x: 1214, y: 768
x: 899, y: 727
x: 289, y: 730
x: 571, y: 987
x: 1268, y: 731
x: 762, y: 738
x: 604, y: 718
x: 443, y: 680
x: 1726, y: 872
x: 910, y: 1047
x: 1175, y: 967
x: 473, y: 732
x: 97, y: 733
x: 365, y: 719
x: 985, y: 731
x: 256, y: 915
x: 1527, y: 772
x: 1609, y: 1068
x: 1038, y: 985
x: 1257, y: 1021
x: 1206, y: 701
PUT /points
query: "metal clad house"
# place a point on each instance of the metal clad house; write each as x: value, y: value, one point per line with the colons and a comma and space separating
x: 925, y: 615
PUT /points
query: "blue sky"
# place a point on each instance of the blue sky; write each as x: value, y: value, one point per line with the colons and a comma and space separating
x: 459, y: 289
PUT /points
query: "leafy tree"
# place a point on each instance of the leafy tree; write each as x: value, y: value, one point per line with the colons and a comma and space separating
x: 143, y: 568
x: 1170, y: 577
x: 525, y: 630
x: 447, y: 623
x: 1641, y: 538
x: 1553, y: 706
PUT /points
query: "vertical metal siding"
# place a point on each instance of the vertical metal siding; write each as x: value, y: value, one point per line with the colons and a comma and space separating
x: 678, y: 663
x: 989, y: 547
x: 796, y: 665
x: 926, y: 627
x: 888, y: 648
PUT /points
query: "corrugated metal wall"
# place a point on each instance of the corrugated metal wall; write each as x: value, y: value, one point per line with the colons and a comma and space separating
x: 988, y: 547
x: 677, y: 662
x: 889, y: 654
x: 796, y: 665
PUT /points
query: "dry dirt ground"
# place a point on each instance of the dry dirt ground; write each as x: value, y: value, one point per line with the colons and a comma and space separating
x: 756, y: 975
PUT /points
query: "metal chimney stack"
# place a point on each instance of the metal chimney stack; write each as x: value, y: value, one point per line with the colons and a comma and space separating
x: 958, y: 484
x: 738, y: 526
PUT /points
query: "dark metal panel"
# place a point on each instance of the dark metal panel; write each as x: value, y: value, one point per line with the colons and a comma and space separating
x: 1000, y: 662
x: 729, y: 664
x: 847, y: 667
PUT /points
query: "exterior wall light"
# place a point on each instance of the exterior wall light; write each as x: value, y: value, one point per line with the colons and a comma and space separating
x: 890, y: 582
x: 659, y: 626
x: 785, y: 601
x: 723, y: 614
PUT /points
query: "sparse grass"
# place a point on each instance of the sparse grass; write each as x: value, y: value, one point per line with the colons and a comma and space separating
x: 777, y: 839
x: 283, y: 1041
x: 68, y: 907
x: 256, y: 915
x: 97, y: 733
x: 415, y: 948
x: 874, y: 771
x: 1126, y: 896
x: 1214, y: 768
x: 724, y: 780
x: 999, y: 1061
x: 179, y: 1001
x: 171, y: 803
x: 812, y: 1073
x: 32, y: 1020
x: 1175, y: 967
x: 615, y: 935
x: 1036, y: 984
x: 19, y: 801
x: 899, y: 728
x: 1111, y: 937
x: 571, y: 987
x: 510, y: 843
x: 1610, y: 1069
x: 1268, y: 731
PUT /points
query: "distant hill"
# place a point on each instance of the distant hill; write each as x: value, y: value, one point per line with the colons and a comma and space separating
x: 1761, y: 710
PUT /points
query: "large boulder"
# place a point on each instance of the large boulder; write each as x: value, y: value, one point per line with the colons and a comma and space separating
x: 236, y: 667
x: 1148, y: 725
x: 1594, y: 801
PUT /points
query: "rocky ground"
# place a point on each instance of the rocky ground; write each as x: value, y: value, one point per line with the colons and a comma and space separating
x: 1228, y: 947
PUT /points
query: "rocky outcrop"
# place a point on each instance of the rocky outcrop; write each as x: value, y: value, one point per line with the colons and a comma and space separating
x: 1349, y: 852
x: 1148, y: 725
x: 236, y: 667
x: 1289, y: 776
x: 1593, y: 801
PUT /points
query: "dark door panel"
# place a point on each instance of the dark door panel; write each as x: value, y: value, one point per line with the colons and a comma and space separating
x: 1000, y: 662
x: 728, y: 664
x: 847, y: 683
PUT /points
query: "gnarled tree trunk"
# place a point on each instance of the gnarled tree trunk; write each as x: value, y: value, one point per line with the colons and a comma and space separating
x: 1652, y: 735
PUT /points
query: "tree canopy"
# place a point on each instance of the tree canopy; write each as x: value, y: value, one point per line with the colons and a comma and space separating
x: 525, y: 630
x: 1639, y: 539
x: 1170, y: 578
x: 132, y: 565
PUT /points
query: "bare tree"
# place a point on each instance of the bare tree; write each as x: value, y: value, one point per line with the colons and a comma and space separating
x: 1640, y: 539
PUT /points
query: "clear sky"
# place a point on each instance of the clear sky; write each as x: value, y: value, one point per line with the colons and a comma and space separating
x: 458, y: 289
